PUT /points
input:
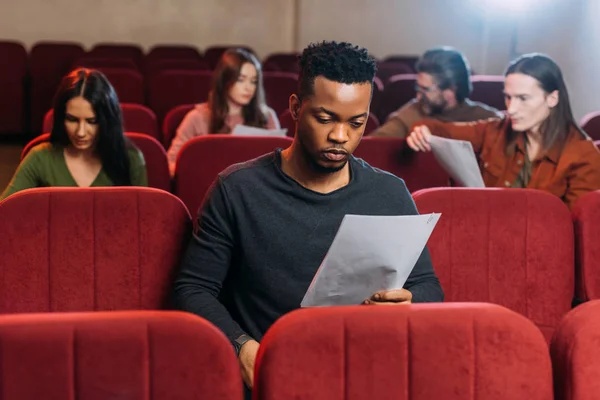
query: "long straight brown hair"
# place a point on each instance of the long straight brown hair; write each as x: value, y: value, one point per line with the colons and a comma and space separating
x: 555, y: 129
x: 225, y: 76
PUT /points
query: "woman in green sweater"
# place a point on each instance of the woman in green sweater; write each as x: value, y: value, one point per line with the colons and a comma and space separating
x: 87, y: 146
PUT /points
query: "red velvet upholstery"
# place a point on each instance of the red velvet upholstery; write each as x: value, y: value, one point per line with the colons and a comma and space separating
x: 172, y: 121
x: 157, y: 165
x: 575, y: 351
x: 49, y: 62
x: 88, y: 61
x: 168, y: 89
x: 136, y: 118
x: 512, y: 247
x: 173, y: 52
x: 283, y: 62
x: 414, y: 352
x: 279, y: 86
x: 115, y: 50
x: 13, y: 72
x: 398, y: 90
x: 586, y: 218
x: 116, y: 355
x: 89, y: 249
x: 419, y: 170
x: 387, y: 69
x: 158, y: 65
x: 128, y: 83
x: 488, y: 89
x: 204, y: 157
x: 591, y: 124
x: 287, y: 122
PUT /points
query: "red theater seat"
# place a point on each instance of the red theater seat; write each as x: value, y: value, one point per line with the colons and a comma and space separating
x: 172, y: 121
x: 116, y: 355
x: 413, y: 352
x: 398, y: 91
x: 283, y: 62
x: 488, y: 89
x: 418, y: 170
x: 575, y: 353
x: 49, y: 62
x: 204, y: 157
x: 13, y: 73
x: 155, y: 156
x: 173, y: 52
x: 586, y: 217
x: 90, y: 249
x: 279, y: 86
x: 591, y: 124
x: 128, y: 83
x: 117, y: 50
x: 512, y: 247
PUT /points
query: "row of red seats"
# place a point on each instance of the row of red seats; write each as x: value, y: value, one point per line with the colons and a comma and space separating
x: 168, y: 77
x: 90, y: 249
x: 416, y: 352
x: 202, y: 158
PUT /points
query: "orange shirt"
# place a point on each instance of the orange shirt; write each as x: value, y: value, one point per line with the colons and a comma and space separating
x: 567, y: 173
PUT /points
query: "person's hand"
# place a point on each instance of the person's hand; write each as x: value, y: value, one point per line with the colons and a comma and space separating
x: 247, y: 358
x: 390, y: 297
x: 418, y: 140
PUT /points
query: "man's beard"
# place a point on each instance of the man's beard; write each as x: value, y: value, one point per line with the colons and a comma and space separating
x: 430, y: 108
x: 314, y: 164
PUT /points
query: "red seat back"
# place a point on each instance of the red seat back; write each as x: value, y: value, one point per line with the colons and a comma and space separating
x: 398, y: 91
x: 172, y: 121
x: 50, y: 61
x: 591, y: 124
x: 576, y: 354
x: 99, y: 62
x: 155, y: 156
x: 168, y: 89
x: 586, y: 217
x: 279, y: 86
x: 413, y: 352
x: 173, y: 52
x: 128, y: 83
x: 202, y: 158
x: 116, y: 355
x: 418, y: 170
x: 504, y: 246
x: 116, y: 50
x: 90, y: 249
x: 13, y: 73
x: 488, y: 89
x: 282, y: 62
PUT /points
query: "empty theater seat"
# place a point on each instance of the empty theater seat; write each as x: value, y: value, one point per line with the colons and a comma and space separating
x: 171, y: 88
x: 576, y: 354
x: 116, y: 355
x: 90, y: 249
x: 279, y: 86
x: 155, y: 156
x: 503, y: 246
x: 488, y: 89
x: 13, y: 73
x: 136, y: 118
x: 413, y: 352
x: 204, y: 157
x: 418, y: 170
x: 49, y: 62
x: 119, y: 50
x: 586, y: 218
x: 591, y: 124
x: 398, y: 90
x: 128, y: 83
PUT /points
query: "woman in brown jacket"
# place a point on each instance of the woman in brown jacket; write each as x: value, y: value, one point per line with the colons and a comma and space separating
x: 537, y: 144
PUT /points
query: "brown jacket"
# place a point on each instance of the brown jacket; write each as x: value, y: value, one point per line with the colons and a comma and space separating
x: 567, y: 173
x: 399, y: 122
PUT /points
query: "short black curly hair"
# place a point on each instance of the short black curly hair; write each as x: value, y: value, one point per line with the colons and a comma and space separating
x: 337, y: 61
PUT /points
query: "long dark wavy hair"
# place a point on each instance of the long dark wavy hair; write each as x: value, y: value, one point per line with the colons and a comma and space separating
x: 111, y: 143
x: 225, y: 76
x: 555, y: 129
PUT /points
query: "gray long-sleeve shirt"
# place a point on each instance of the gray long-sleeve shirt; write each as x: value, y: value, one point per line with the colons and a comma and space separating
x: 261, y: 237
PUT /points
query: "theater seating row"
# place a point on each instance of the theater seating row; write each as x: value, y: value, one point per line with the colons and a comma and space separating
x: 94, y: 249
x: 174, y: 75
x: 417, y: 352
x: 202, y: 158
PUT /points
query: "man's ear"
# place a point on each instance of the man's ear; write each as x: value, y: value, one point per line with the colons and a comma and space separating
x: 295, y: 105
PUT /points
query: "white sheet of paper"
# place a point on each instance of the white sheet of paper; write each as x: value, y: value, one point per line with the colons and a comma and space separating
x: 369, y: 254
x: 458, y: 159
x: 245, y: 130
